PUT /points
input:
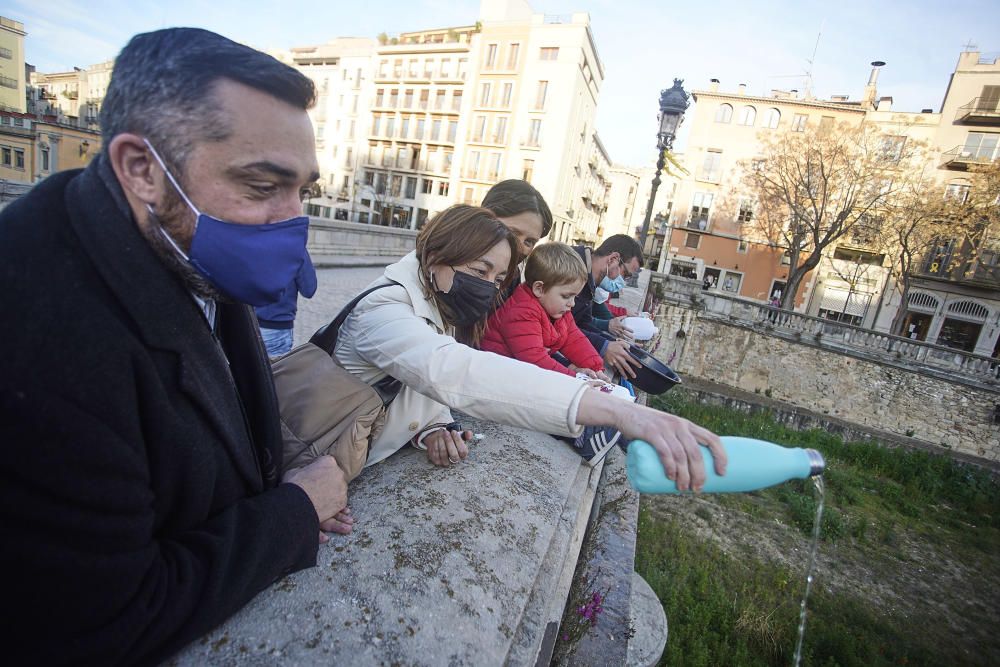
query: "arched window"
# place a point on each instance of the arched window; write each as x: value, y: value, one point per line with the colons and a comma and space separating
x: 773, y: 118
x: 923, y: 302
x: 969, y: 310
x: 724, y: 114
x: 748, y: 115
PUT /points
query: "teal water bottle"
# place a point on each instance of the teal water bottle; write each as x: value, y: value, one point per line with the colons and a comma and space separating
x: 753, y: 464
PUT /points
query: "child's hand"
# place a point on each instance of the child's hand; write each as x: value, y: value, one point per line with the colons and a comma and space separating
x: 588, y: 372
x: 601, y: 375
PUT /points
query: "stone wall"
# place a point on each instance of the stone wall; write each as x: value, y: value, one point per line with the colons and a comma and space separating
x: 335, y: 237
x: 881, y: 396
x: 468, y: 565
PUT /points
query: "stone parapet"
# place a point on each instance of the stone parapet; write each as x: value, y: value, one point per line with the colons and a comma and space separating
x: 819, y: 373
x: 606, y: 566
x: 465, y: 565
x: 337, y: 237
x: 928, y: 358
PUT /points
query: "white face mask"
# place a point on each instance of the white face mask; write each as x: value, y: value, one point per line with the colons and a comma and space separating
x: 601, y: 295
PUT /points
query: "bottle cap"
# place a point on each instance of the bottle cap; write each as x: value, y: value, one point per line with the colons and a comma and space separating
x: 816, y: 462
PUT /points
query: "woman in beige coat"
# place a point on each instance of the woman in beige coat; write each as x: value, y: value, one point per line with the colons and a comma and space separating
x: 420, y: 331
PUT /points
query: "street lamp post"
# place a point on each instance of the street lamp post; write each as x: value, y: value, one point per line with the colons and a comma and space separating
x: 673, y: 104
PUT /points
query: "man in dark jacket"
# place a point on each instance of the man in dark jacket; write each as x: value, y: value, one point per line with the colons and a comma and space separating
x: 617, y: 255
x: 141, y: 501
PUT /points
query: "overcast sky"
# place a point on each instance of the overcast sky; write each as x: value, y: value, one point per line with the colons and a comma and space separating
x: 643, y: 44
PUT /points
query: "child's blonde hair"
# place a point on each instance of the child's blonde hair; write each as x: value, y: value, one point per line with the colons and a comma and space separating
x: 554, y: 264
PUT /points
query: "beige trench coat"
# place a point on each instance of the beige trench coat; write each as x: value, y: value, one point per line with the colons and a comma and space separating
x: 399, y: 331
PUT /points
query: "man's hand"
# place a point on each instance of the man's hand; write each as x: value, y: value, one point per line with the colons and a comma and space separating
x: 617, y: 358
x: 618, y: 329
x: 324, y: 483
x: 445, y: 447
x: 675, y: 439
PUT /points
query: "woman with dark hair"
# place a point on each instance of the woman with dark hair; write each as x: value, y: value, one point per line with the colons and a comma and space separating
x: 419, y: 329
x: 522, y: 209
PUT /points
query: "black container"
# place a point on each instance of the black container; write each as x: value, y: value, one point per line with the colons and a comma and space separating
x: 653, y: 376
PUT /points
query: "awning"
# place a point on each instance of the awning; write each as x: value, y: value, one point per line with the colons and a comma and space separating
x: 836, y: 301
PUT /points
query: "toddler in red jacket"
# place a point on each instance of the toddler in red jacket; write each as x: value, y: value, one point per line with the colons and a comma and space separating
x: 536, y: 322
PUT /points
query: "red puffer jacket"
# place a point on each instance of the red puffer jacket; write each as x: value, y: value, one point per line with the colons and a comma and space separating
x: 523, y: 330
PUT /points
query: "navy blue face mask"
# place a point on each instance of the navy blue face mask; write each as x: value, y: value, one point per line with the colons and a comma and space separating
x: 252, y: 264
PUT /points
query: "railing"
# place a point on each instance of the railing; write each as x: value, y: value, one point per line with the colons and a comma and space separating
x: 825, y: 333
x: 962, y: 157
x: 979, y: 109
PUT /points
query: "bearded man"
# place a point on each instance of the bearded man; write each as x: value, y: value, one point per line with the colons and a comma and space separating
x: 142, y: 501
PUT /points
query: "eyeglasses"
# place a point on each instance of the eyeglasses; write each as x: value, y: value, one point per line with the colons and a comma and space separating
x: 629, y: 274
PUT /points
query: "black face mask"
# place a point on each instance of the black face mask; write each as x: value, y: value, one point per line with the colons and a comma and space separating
x: 470, y: 299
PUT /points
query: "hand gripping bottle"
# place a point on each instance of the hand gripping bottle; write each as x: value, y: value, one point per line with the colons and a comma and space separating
x: 753, y: 464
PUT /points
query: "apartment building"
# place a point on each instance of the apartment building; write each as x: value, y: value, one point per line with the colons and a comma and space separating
x: 35, y: 141
x: 33, y: 146
x: 950, y: 303
x: 408, y: 169
x: 341, y: 70
x: 854, y: 277
x: 622, y: 199
x: 73, y: 97
x: 595, y: 186
x: 535, y: 85
x: 954, y: 296
x: 12, y: 72
x: 709, y: 236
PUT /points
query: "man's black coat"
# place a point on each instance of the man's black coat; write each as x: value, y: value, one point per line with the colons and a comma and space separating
x: 137, y: 510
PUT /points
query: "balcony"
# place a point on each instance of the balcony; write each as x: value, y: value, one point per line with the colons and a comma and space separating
x: 962, y: 269
x: 962, y: 157
x: 981, y: 110
x: 699, y: 222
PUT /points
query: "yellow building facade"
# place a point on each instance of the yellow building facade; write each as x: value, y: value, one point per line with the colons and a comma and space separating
x: 12, y: 83
x: 33, y: 147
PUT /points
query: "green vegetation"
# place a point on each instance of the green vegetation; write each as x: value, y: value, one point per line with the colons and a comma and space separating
x: 908, y: 570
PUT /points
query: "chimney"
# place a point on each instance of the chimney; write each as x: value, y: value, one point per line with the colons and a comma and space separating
x: 713, y: 85
x: 742, y: 89
x: 794, y: 93
x: 884, y: 104
x: 868, y: 99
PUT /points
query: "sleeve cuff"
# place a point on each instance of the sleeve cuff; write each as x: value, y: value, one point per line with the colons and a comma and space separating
x: 418, y: 440
x: 576, y: 429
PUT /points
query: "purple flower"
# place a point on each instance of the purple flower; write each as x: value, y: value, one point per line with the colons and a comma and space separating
x: 565, y: 637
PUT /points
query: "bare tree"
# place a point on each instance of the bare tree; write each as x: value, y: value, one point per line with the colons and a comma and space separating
x: 975, y: 215
x: 814, y: 187
x: 916, y: 221
x: 951, y: 231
